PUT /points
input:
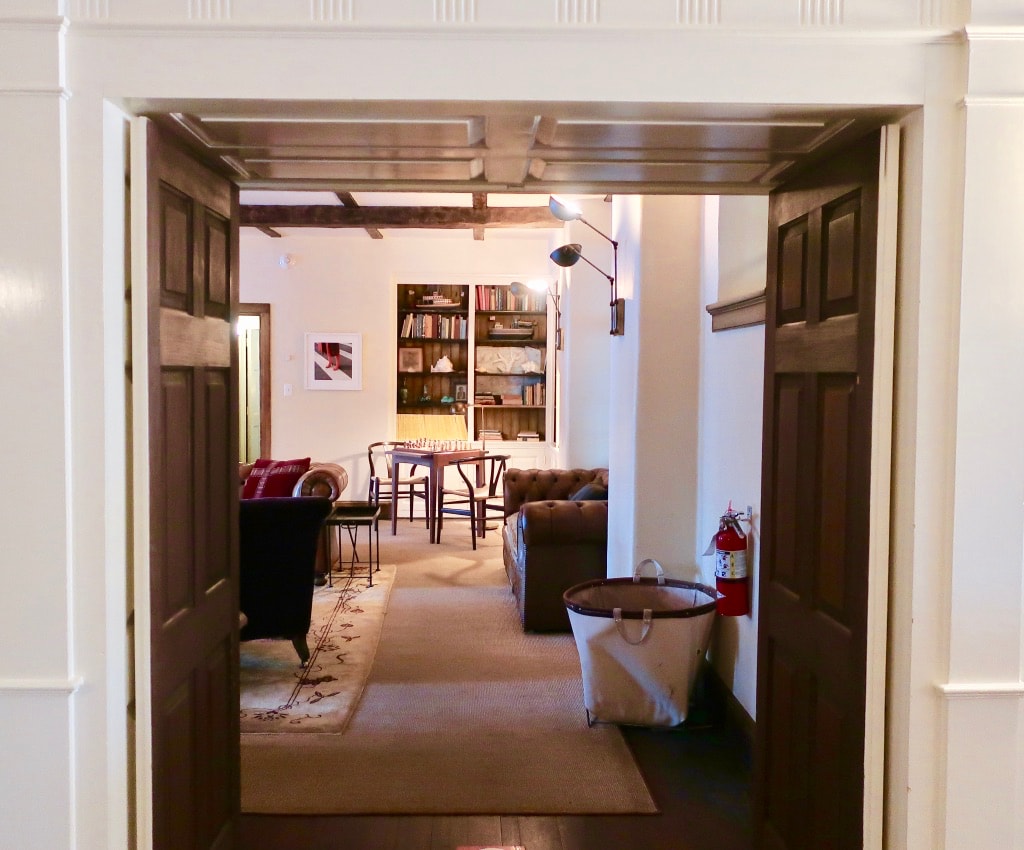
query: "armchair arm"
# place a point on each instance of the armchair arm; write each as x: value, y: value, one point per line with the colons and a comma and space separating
x: 563, y: 522
x: 323, y: 479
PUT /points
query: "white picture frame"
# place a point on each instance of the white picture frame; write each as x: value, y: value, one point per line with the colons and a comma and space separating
x: 334, y: 361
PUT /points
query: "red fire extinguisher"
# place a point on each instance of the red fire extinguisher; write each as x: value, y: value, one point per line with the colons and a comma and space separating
x: 731, y: 578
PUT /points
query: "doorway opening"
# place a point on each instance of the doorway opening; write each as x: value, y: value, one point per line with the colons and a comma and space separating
x: 254, y: 420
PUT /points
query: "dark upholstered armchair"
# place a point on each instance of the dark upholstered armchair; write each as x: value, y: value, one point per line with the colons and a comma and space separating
x: 277, y: 554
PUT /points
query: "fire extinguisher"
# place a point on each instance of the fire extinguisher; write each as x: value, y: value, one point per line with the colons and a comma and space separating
x: 731, y: 578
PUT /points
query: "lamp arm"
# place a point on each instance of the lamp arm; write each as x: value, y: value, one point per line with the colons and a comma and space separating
x: 603, y: 273
x: 598, y: 232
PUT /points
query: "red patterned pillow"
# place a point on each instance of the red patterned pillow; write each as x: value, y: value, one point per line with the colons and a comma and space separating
x: 273, y: 477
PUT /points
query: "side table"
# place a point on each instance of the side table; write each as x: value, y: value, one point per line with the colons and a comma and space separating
x: 351, y: 516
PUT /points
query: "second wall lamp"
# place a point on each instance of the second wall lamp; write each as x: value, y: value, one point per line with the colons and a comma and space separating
x: 569, y: 255
x: 520, y: 289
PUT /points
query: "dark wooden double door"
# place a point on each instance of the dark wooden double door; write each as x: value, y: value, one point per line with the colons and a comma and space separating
x: 817, y: 443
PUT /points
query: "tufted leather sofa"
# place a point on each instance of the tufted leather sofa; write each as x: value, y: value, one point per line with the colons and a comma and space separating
x: 550, y: 543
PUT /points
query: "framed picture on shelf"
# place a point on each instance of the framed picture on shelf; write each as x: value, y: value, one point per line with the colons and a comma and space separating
x: 410, y: 360
x: 334, y: 361
x: 461, y: 392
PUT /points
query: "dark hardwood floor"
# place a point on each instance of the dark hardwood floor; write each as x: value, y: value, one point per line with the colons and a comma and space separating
x: 699, y: 777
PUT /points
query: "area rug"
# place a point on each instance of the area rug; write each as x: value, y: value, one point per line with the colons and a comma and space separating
x: 463, y: 712
x: 278, y: 695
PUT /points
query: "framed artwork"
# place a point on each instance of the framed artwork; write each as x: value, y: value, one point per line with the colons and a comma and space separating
x: 410, y: 360
x: 461, y: 393
x: 334, y: 361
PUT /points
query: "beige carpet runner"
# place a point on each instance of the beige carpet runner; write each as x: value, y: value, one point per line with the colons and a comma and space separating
x: 462, y: 712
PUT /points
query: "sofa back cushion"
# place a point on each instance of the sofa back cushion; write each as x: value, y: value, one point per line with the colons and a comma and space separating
x: 533, y: 485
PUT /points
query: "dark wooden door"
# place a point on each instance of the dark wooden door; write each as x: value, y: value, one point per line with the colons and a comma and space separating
x: 192, y: 249
x: 809, y: 751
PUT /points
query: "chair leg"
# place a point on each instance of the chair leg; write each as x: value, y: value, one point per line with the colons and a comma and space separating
x: 302, y: 648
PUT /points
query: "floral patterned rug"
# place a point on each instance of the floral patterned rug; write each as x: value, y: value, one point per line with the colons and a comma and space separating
x: 278, y: 695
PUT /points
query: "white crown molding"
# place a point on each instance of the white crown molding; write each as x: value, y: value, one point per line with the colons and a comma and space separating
x: 600, y: 33
x: 990, y: 33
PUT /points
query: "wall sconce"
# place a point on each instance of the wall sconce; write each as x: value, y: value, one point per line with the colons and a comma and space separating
x: 519, y: 289
x: 569, y: 255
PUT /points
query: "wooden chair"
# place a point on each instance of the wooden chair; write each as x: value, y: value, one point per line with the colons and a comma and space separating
x: 478, y: 499
x: 409, y: 484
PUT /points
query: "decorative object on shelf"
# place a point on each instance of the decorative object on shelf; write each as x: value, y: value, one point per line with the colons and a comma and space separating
x: 444, y: 364
x: 540, y: 285
x: 461, y: 392
x: 459, y: 408
x: 509, y: 360
x: 403, y: 395
x: 447, y: 399
x: 569, y: 255
x: 425, y: 395
x: 334, y: 361
x: 410, y: 360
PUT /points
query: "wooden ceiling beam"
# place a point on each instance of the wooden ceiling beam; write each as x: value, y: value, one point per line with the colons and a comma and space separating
x: 269, y: 231
x: 396, y: 217
x: 479, y: 203
x: 348, y: 201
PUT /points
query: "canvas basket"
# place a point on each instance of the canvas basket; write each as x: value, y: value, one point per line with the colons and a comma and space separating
x: 641, y: 642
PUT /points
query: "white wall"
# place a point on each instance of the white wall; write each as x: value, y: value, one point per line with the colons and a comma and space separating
x: 653, y: 472
x: 586, y: 385
x: 62, y: 292
x: 731, y: 398
x: 343, y: 281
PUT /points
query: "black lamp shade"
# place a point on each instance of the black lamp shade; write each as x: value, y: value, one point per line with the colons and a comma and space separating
x: 518, y: 288
x: 567, y: 255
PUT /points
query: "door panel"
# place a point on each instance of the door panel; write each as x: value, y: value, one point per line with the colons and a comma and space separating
x: 191, y: 383
x: 809, y: 752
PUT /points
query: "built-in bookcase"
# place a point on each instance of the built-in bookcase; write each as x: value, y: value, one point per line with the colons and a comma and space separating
x: 497, y: 345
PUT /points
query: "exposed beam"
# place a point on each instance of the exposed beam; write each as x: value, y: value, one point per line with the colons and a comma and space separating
x: 479, y: 203
x: 273, y: 234
x: 347, y: 199
x: 397, y: 217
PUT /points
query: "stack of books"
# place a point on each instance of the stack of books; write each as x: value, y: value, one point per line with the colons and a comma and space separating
x: 528, y: 437
x: 484, y: 398
x: 489, y: 434
x: 511, y: 398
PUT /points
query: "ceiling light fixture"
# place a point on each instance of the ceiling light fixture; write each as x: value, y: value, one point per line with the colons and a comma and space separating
x: 568, y: 255
x: 520, y: 289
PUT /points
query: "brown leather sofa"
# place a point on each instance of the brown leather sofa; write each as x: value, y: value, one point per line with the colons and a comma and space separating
x: 550, y: 542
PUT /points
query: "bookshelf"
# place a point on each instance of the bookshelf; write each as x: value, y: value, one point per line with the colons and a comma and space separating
x: 510, y: 365
x: 497, y: 343
x: 432, y: 323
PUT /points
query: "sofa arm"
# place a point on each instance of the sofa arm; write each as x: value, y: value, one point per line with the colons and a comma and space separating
x: 563, y: 522
x: 323, y: 479
x: 535, y: 485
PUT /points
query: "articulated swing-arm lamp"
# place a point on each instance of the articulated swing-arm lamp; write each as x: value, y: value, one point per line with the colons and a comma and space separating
x: 517, y: 288
x: 569, y: 255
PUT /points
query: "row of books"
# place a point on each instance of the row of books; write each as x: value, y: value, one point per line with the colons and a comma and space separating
x: 433, y: 326
x: 495, y: 434
x: 500, y: 298
x: 532, y: 394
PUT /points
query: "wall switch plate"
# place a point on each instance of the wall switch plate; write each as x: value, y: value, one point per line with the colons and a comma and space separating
x: 287, y: 389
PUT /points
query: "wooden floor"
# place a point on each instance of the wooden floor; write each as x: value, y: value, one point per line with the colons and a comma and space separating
x: 699, y: 778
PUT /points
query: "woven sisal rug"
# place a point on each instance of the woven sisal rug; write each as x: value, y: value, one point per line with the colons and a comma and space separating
x: 462, y: 712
